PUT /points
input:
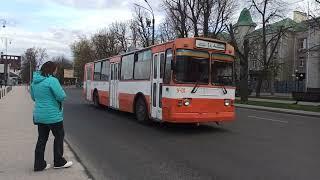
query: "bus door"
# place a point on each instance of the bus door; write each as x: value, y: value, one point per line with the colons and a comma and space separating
x: 156, y: 90
x: 114, y: 83
x: 88, y: 82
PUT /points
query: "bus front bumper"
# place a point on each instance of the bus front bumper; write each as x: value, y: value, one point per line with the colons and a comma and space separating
x: 189, y: 117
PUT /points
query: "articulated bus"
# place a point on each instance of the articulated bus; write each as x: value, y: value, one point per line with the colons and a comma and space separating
x: 187, y: 80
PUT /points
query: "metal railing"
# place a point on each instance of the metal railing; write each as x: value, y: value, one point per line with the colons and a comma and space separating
x: 4, y: 90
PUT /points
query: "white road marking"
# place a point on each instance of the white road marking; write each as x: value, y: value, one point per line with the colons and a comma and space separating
x: 274, y: 120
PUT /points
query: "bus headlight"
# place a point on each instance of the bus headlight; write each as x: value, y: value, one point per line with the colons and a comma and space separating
x: 186, y: 102
x: 227, y: 102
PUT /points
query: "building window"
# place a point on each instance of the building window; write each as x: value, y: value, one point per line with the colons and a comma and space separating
x: 303, y: 43
x: 254, y: 64
x: 301, y: 64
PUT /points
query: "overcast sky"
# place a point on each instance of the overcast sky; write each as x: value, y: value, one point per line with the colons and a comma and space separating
x: 55, y: 24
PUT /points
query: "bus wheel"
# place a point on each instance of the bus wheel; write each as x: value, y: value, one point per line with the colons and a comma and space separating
x: 141, y: 110
x: 96, y: 99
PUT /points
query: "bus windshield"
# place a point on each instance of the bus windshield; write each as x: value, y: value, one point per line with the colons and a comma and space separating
x: 222, y: 73
x: 192, y: 66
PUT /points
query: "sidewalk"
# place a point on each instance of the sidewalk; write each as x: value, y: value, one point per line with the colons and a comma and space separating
x: 283, y: 101
x: 18, y: 137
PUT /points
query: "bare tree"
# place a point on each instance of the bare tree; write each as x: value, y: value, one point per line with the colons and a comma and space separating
x: 195, y: 9
x: 215, y: 15
x: 142, y: 24
x: 194, y: 17
x: 120, y: 31
x: 177, y: 12
x: 207, y: 6
x: 269, y: 36
x: 133, y: 34
x: 223, y: 10
x: 166, y: 31
x: 32, y: 59
x: 242, y: 49
x: 103, y: 44
x: 63, y: 63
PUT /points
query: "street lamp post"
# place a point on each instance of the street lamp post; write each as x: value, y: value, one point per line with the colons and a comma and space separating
x: 4, y: 22
x: 153, y: 20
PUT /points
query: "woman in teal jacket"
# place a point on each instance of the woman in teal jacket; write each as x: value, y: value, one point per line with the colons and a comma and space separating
x: 48, y: 96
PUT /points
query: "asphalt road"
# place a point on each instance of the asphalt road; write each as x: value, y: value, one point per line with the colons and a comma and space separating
x: 259, y: 145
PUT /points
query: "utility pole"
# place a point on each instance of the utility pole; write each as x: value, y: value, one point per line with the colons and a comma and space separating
x: 4, y: 22
x: 152, y: 21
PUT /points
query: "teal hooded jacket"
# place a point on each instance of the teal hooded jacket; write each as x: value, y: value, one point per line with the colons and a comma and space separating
x: 48, y: 96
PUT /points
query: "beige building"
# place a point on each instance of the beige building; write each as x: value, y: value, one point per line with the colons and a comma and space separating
x: 298, y: 51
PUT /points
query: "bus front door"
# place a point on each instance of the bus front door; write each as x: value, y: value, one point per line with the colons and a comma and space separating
x: 114, y: 83
x: 156, y: 91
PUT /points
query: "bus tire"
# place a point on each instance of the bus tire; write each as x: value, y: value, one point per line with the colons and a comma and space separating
x: 141, y: 110
x: 96, y: 99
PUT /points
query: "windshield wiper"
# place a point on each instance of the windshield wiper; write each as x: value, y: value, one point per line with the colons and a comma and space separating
x: 221, y: 83
x: 195, y: 88
x: 224, y: 90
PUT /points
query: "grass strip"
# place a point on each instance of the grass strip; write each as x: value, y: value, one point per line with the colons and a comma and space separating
x: 282, y: 105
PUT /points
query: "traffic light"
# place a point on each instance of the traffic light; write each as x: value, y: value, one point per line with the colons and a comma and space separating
x: 300, y: 76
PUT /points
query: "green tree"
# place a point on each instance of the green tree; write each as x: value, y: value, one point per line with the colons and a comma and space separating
x: 83, y: 53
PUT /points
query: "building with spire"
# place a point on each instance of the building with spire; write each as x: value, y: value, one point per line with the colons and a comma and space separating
x: 298, y: 51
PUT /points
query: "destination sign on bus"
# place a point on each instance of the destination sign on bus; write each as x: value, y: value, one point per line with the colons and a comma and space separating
x: 210, y: 45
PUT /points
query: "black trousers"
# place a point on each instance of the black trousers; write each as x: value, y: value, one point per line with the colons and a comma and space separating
x: 43, y: 134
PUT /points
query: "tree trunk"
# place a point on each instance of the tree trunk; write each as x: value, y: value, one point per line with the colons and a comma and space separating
x: 272, y: 79
x: 259, y: 84
x: 244, y: 91
x: 244, y: 87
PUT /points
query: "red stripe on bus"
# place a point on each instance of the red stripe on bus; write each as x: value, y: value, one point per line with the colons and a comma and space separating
x: 199, y: 110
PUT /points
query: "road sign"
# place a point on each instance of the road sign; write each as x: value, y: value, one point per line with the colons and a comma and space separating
x: 68, y: 73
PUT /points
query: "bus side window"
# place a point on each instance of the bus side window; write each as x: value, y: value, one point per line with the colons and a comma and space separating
x: 127, y: 64
x: 167, y: 70
x: 97, y: 71
x: 105, y: 71
x: 142, y: 65
x: 162, y: 65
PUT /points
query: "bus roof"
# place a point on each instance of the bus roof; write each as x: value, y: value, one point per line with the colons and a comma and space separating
x: 189, y: 43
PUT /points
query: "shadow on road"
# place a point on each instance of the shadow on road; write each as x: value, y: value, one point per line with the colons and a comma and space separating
x: 181, y: 128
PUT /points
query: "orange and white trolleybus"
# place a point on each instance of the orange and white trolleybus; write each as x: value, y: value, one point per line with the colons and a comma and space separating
x: 187, y: 80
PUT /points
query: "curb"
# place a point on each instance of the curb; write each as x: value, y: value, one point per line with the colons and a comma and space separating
x: 280, y: 110
x: 79, y: 160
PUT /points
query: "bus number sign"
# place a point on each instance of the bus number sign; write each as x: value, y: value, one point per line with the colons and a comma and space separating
x: 210, y: 45
x: 181, y: 90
